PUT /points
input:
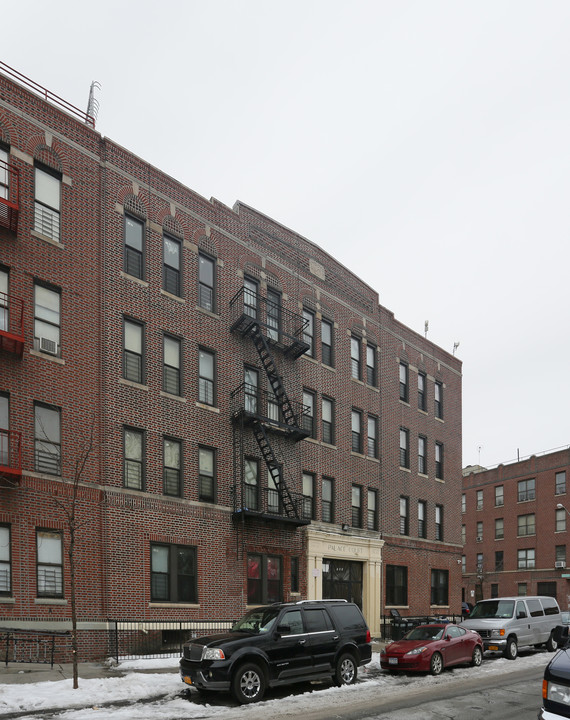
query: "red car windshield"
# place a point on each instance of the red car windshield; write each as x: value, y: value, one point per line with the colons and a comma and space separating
x: 425, y: 632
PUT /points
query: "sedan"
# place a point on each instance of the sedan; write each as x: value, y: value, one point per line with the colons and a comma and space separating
x: 430, y: 648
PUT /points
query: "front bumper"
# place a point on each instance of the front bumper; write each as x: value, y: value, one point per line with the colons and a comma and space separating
x: 205, y: 678
x: 494, y: 644
x: 415, y: 662
x: 547, y: 715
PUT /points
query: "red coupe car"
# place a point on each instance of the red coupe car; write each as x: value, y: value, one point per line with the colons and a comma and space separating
x: 430, y: 648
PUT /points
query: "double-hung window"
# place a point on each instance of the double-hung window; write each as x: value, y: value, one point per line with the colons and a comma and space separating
x: 396, y: 585
x: 4, y: 174
x: 273, y: 314
x: 251, y: 389
x: 171, y: 376
x: 526, y: 559
x: 206, y: 282
x: 371, y: 365
x: 328, y: 500
x: 422, y: 525
x: 404, y: 515
x: 499, y: 496
x: 133, y: 351
x: 264, y: 579
x: 172, y: 257
x: 47, y: 205
x: 47, y: 421
x: 372, y: 511
x: 309, y: 412
x: 251, y: 484
x: 4, y: 300
x: 560, y: 525
x: 372, y: 439
x: 328, y: 421
x: 438, y: 390
x: 356, y: 506
x: 173, y: 573
x: 49, y: 563
x: 327, y: 342
x: 499, y: 528
x: 5, y: 561
x: 206, y: 377
x: 207, y: 474
x: 404, y: 448
x: 404, y: 385
x: 172, y: 468
x: 250, y: 292
x: 134, y: 458
x: 526, y: 524
x: 560, y: 483
x: 526, y: 490
x: 308, y: 496
x: 355, y: 357
x: 134, y: 247
x: 421, y: 391
x: 439, y: 522
x: 422, y: 455
x: 309, y: 331
x: 440, y: 587
x: 356, y: 423
x: 47, y: 319
x: 439, y: 460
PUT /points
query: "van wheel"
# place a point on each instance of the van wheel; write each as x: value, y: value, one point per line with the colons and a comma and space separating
x: 477, y: 658
x: 346, y: 670
x: 511, y: 651
x: 436, y: 664
x: 551, y: 644
x: 248, y: 684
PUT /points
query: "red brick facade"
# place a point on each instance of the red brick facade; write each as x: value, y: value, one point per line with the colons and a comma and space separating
x: 102, y: 184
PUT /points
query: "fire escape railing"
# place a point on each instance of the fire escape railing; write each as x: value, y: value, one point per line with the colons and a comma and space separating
x: 11, y: 323
x: 9, y: 196
x: 255, y: 404
x: 10, y: 455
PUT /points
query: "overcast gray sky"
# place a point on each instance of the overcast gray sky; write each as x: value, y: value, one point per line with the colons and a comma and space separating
x: 424, y: 144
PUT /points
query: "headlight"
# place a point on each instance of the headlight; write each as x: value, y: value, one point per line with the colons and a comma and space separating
x: 417, y: 651
x: 213, y: 654
x: 498, y: 633
x: 558, y: 693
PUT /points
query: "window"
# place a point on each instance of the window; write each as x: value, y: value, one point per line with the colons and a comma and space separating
x: 479, y: 564
x: 251, y: 489
x: 479, y: 499
x: 264, y: 579
x: 47, y: 318
x: 463, y: 564
x: 499, y: 563
x: 4, y: 301
x: 525, y: 559
x: 309, y: 331
x: 133, y: 471
x: 439, y: 522
x: 560, y: 520
x: 47, y: 423
x: 355, y: 361
x: 308, y: 496
x: 422, y: 525
x: 294, y: 574
x: 47, y: 207
x: 172, y: 468
x: 4, y: 174
x: 404, y: 389
x: 494, y: 590
x: 526, y: 490
x: 499, y: 528
x: 371, y: 365
x: 5, y: 560
x: 251, y: 390
x: 372, y: 515
x: 171, y: 357
x: 327, y: 342
x: 560, y: 483
x: 206, y: 376
x: 206, y: 282
x: 463, y: 503
x: 356, y: 426
x: 421, y: 391
x: 560, y: 553
x: 526, y: 525
x: 499, y: 496
x: 250, y: 288
x: 521, y: 589
x: 328, y: 500
x: 422, y: 455
x: 439, y: 587
x: 273, y: 314
x: 463, y: 534
x: 479, y: 531
x: 438, y: 390
x: 206, y: 474
x: 372, y: 440
x: 439, y: 460
x: 356, y: 504
x: 328, y: 420
x: 172, y: 252
x: 134, y: 247
x: 396, y: 585
x: 404, y: 448
x: 404, y: 515
x: 49, y: 544
x: 309, y: 414
x: 4, y: 428
x: 133, y: 352
x: 173, y: 575
x: 274, y: 504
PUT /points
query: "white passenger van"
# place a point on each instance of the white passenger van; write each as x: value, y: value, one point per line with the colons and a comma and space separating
x: 507, y: 623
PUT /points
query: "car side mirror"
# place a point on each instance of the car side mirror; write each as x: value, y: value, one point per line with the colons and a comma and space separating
x: 560, y: 634
x: 448, y: 637
x: 283, y: 629
x: 521, y: 615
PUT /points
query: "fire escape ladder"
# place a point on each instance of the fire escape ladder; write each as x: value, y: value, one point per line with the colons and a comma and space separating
x: 275, y: 380
x: 275, y: 470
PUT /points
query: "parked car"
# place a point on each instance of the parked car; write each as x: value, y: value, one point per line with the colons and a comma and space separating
x: 431, y: 648
x: 466, y: 609
x: 505, y: 624
x: 565, y: 618
x: 280, y: 644
x: 556, y: 683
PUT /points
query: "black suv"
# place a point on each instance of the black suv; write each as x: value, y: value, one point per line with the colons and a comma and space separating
x: 556, y: 684
x: 280, y: 644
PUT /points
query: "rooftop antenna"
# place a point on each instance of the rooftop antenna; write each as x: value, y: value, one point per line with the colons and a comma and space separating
x: 455, y: 346
x: 93, y: 103
x: 426, y: 327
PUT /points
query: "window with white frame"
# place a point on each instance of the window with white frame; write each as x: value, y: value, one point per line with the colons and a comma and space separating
x: 171, y: 267
x: 47, y: 319
x: 133, y: 263
x: 49, y: 563
x: 47, y: 424
x: 47, y: 205
x: 5, y: 561
x: 172, y: 466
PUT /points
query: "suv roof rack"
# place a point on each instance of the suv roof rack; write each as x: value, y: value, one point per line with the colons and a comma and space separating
x: 328, y: 600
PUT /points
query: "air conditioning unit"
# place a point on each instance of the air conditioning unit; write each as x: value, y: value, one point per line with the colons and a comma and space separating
x: 561, y: 564
x: 48, y: 346
x: 479, y: 538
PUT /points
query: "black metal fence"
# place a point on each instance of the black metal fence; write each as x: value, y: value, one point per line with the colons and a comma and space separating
x: 29, y: 646
x: 395, y: 627
x: 133, y: 639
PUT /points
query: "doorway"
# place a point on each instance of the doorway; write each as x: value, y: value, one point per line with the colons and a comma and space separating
x: 342, y: 580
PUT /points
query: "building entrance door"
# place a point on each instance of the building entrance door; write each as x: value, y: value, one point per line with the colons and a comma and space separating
x: 342, y: 580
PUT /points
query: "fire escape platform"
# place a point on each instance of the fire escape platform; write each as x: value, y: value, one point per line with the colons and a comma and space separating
x: 10, y: 458
x: 11, y: 324
x: 247, y: 515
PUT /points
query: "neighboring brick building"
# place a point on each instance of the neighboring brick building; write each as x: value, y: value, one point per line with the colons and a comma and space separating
x: 261, y: 427
x: 505, y: 512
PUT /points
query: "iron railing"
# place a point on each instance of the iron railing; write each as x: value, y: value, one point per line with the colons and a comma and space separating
x: 33, y: 646
x: 10, y: 452
x: 395, y: 627
x: 265, y: 503
x: 252, y: 403
x: 11, y: 321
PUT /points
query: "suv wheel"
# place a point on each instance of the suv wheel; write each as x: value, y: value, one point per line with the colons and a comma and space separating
x: 346, y: 670
x: 248, y: 684
x: 551, y: 644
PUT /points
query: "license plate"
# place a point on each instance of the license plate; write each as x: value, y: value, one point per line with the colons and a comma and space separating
x: 493, y: 647
x: 392, y: 661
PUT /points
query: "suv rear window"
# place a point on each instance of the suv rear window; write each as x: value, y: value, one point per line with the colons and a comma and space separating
x: 317, y: 620
x: 348, y: 616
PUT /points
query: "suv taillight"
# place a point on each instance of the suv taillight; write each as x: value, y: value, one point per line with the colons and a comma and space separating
x: 368, y: 636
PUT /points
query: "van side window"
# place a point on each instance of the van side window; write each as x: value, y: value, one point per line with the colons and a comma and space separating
x: 550, y: 607
x: 534, y: 607
x: 521, y: 610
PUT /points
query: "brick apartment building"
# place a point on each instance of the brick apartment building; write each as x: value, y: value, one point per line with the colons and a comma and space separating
x: 506, y: 510
x: 260, y: 427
